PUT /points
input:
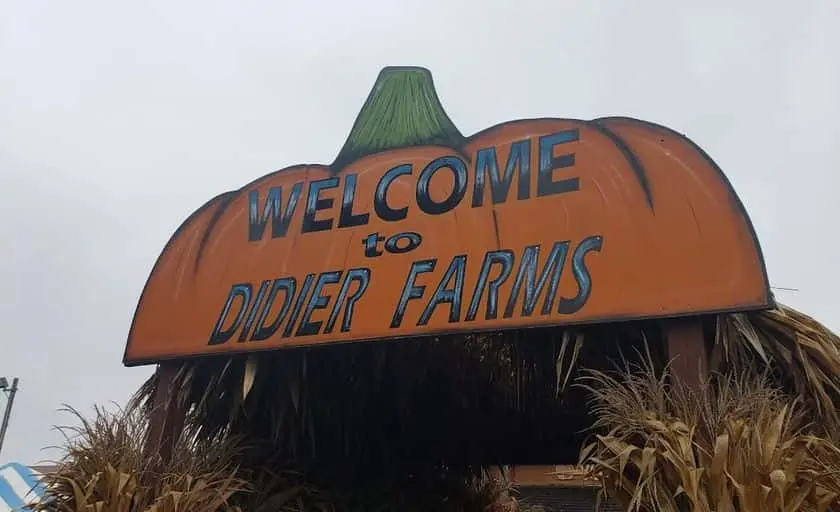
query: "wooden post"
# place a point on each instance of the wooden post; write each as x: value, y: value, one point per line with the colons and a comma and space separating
x: 167, y: 418
x: 686, y: 348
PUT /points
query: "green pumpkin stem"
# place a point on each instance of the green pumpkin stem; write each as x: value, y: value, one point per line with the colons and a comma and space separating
x: 402, y: 110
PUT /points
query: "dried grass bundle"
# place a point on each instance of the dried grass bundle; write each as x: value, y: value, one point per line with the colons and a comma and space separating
x: 737, y: 443
x: 104, y: 470
x: 802, y: 356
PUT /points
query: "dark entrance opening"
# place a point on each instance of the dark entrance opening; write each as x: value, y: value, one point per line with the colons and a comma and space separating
x: 394, y: 407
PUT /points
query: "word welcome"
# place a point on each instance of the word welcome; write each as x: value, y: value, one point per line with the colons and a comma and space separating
x: 319, y: 211
x: 284, y: 307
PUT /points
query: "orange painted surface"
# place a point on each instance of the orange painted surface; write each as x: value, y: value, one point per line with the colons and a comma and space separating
x: 667, y: 236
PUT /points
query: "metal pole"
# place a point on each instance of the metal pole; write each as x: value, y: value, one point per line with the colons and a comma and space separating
x: 6, y: 415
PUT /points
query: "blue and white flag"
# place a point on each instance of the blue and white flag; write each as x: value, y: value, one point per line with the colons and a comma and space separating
x: 19, y: 486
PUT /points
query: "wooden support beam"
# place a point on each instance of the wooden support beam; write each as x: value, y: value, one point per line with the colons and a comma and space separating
x: 167, y: 418
x: 686, y: 348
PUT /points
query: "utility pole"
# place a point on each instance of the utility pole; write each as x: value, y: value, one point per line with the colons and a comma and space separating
x: 4, y: 384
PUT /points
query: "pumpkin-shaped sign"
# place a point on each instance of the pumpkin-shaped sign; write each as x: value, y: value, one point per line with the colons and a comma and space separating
x: 417, y: 230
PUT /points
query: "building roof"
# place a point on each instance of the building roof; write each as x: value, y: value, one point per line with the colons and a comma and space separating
x: 18, y: 486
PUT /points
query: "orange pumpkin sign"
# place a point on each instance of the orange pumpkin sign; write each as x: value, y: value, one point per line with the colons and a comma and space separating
x: 417, y: 230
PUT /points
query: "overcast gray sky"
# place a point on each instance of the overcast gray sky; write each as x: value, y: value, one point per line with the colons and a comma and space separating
x: 118, y: 119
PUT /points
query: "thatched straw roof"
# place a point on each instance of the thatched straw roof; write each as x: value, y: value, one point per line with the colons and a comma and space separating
x: 472, y: 400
